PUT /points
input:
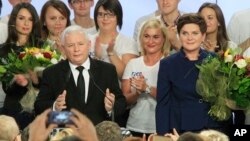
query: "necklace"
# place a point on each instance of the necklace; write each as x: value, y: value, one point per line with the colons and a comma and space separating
x: 175, y: 21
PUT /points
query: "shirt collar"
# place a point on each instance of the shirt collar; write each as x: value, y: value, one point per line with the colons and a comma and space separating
x: 85, y: 64
x: 202, y: 53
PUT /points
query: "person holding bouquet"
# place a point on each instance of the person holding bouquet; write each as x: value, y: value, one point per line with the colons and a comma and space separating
x: 179, y: 106
x: 24, y: 31
x: 217, y: 40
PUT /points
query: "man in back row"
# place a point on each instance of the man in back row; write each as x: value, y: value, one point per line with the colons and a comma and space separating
x: 81, y: 9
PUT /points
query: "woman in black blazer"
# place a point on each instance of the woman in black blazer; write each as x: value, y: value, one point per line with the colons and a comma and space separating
x: 23, y: 31
x: 179, y: 106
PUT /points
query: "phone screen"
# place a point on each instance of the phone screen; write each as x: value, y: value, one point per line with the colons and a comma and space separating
x: 60, y: 118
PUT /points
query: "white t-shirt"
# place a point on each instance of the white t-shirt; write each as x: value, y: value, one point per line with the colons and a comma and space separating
x: 91, y: 30
x: 3, y: 37
x: 139, y: 23
x: 2, y: 95
x: 4, y: 32
x: 232, y: 44
x: 123, y: 45
x: 5, y: 19
x: 238, y: 28
x: 142, y: 113
x: 246, y: 53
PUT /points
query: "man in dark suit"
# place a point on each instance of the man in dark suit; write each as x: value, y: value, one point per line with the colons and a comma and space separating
x: 102, y: 96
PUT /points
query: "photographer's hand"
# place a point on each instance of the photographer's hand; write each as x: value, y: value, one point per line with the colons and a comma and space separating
x: 83, y: 128
x: 174, y: 136
x: 38, y: 131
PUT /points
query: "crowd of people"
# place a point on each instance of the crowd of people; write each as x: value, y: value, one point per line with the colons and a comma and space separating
x: 107, y: 80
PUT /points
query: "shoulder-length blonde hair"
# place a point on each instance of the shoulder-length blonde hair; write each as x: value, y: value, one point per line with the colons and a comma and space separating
x: 155, y: 23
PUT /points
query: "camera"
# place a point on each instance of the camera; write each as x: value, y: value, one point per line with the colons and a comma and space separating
x: 60, y: 118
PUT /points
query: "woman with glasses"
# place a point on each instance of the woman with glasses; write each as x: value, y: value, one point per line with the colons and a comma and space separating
x: 108, y: 44
x: 82, y: 17
x: 54, y: 19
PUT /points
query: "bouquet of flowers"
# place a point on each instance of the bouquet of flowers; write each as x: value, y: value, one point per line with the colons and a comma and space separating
x: 224, y: 82
x: 33, y: 58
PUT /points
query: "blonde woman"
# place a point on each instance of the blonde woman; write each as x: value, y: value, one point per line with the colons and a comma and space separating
x: 140, y: 78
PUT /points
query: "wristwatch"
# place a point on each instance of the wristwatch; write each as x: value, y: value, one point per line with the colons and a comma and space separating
x: 148, y: 90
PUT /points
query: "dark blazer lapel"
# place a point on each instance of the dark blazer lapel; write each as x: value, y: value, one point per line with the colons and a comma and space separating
x: 93, y: 76
x: 72, y: 99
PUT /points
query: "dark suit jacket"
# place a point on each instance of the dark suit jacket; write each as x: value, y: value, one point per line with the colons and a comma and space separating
x: 59, y: 77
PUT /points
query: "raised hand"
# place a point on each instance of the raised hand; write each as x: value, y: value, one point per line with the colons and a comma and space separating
x: 60, y: 102
x: 109, y: 100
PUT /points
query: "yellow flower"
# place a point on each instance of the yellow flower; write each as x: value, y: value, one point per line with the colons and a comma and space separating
x: 227, y: 52
x: 33, y: 50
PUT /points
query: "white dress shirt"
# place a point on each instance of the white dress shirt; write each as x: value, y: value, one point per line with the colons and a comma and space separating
x: 86, y: 77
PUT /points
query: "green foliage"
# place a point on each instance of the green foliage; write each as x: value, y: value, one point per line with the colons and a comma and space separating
x: 220, y: 80
x: 28, y: 60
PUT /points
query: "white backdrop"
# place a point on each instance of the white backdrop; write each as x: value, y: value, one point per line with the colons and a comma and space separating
x: 133, y: 9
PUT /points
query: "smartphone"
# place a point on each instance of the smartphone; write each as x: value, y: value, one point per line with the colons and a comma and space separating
x: 60, y: 118
x: 161, y: 138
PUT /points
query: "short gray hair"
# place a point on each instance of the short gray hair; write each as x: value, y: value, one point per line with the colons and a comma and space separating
x: 73, y: 28
x: 108, y: 131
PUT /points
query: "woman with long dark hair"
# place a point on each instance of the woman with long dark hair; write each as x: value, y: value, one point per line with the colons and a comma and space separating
x: 24, y: 30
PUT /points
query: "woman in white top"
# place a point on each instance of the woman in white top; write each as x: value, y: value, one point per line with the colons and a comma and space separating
x: 140, y: 78
x: 108, y: 44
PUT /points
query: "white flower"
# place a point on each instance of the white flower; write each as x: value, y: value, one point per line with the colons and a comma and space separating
x: 241, y: 63
x: 39, y: 55
x: 228, y: 58
x: 53, y: 61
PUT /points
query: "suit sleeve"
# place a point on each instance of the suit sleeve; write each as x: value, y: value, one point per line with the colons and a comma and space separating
x: 120, y: 102
x: 45, y: 98
x: 162, y: 98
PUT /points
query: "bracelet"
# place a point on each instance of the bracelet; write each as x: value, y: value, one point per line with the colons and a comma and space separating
x: 148, y: 90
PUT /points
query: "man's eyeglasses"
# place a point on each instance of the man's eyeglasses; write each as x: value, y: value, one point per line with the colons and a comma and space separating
x: 108, y: 15
x: 80, y: 1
